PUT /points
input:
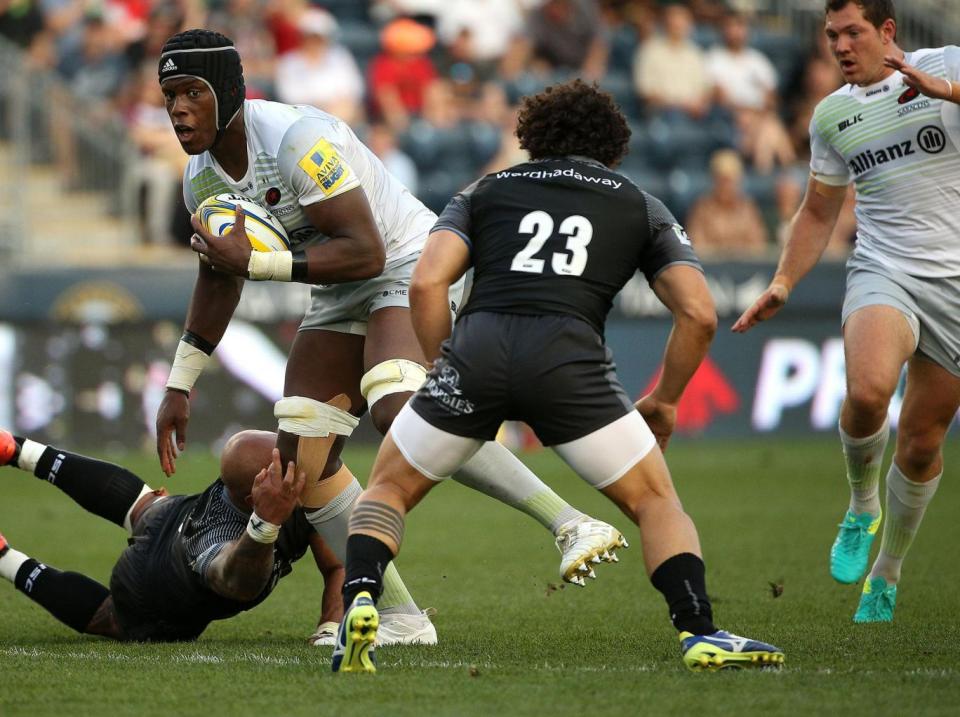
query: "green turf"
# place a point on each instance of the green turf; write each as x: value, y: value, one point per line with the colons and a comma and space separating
x: 510, y: 643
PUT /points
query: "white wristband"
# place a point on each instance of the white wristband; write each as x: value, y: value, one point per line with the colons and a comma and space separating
x: 270, y: 265
x: 949, y: 97
x: 187, y: 367
x: 262, y: 530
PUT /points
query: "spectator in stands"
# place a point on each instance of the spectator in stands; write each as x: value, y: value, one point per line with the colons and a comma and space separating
x: 423, y: 11
x: 383, y: 142
x: 243, y: 21
x: 94, y: 73
x: 562, y: 36
x: 745, y: 83
x: 510, y: 152
x: 97, y: 69
x: 281, y: 20
x: 21, y: 21
x: 670, y: 72
x: 320, y: 72
x: 480, y: 32
x: 159, y: 169
x: 821, y: 76
x: 402, y: 73
x: 164, y: 21
x: 725, y: 222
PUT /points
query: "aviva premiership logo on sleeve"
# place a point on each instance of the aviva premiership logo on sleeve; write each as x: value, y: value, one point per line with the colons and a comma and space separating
x: 325, y: 167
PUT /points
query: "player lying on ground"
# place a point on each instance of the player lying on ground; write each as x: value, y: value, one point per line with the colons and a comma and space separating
x: 551, y: 242
x: 356, y: 234
x: 893, y: 131
x: 191, y: 559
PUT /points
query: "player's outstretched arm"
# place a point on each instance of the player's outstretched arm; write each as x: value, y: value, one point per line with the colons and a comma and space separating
x: 444, y: 260
x: 809, y: 235
x: 243, y: 566
x: 215, y: 298
x: 684, y: 291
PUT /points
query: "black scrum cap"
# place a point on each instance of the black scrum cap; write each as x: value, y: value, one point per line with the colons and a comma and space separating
x: 211, y: 57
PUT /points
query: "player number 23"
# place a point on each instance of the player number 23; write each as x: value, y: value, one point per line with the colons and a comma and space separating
x: 577, y: 229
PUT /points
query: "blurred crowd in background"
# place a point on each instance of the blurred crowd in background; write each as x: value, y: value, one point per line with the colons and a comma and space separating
x: 718, y: 102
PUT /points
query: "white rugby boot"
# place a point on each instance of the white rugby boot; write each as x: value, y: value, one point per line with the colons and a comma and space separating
x: 583, y: 545
x: 326, y: 635
x: 405, y: 629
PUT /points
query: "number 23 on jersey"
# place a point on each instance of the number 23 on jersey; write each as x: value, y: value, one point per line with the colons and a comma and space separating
x: 577, y: 229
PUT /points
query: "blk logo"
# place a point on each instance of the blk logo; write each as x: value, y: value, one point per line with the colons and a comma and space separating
x: 850, y: 122
x: 931, y: 139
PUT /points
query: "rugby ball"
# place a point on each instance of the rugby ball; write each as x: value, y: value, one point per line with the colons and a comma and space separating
x: 264, y: 230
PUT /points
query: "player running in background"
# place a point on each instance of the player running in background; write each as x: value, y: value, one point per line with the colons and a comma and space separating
x: 894, y: 132
x: 356, y: 234
x: 551, y: 241
x: 192, y: 559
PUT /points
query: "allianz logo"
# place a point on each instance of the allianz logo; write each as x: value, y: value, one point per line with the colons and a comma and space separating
x: 930, y: 139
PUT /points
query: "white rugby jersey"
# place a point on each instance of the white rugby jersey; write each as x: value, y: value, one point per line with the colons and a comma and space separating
x: 900, y: 149
x: 298, y: 155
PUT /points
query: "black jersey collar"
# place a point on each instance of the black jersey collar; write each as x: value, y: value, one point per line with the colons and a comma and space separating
x: 574, y: 158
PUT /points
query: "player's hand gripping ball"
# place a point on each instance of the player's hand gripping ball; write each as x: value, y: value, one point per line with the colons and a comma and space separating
x: 264, y: 231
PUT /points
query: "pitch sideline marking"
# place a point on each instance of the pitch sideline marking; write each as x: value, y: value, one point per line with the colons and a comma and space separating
x: 197, y: 657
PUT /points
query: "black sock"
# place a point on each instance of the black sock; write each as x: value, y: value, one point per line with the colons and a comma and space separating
x: 102, y: 488
x: 367, y: 558
x: 72, y: 598
x: 682, y: 580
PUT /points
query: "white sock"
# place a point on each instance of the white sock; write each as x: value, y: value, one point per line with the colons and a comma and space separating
x: 332, y: 522
x: 496, y: 472
x: 864, y: 457
x: 10, y: 563
x: 906, y: 502
x: 30, y: 453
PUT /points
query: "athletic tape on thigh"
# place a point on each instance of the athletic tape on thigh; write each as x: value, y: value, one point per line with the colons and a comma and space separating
x: 313, y: 419
x: 393, y: 376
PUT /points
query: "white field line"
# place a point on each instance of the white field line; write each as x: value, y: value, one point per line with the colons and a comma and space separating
x: 258, y: 658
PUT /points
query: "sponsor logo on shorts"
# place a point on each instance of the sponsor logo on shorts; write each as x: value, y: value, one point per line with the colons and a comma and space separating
x: 394, y: 292
x: 443, y: 386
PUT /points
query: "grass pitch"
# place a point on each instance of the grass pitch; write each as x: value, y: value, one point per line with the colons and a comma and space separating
x: 512, y: 641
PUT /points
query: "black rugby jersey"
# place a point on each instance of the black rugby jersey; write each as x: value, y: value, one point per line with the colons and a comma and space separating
x: 561, y: 236
x: 201, y: 526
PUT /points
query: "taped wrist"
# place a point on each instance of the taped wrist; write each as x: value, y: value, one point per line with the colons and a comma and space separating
x: 277, y: 266
x: 270, y: 265
x: 262, y: 531
x: 188, y: 363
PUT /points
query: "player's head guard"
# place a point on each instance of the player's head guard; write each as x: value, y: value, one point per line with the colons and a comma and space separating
x: 211, y: 57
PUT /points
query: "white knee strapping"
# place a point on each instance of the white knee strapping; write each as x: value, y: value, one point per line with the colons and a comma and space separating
x: 393, y: 376
x: 313, y: 419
